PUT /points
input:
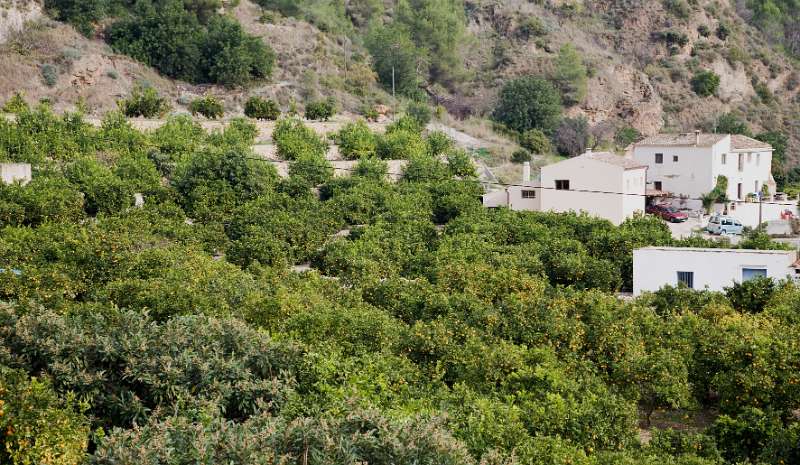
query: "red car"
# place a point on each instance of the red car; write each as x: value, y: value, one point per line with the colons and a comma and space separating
x: 667, y: 213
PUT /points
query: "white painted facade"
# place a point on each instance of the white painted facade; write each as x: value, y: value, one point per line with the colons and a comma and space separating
x: 712, y: 269
x: 689, y: 164
x: 13, y: 172
x: 604, y: 185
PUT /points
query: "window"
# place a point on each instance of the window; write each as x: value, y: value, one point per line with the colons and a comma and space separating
x: 753, y: 273
x: 659, y: 158
x: 758, y: 159
x: 724, y: 158
x: 686, y: 278
x: 739, y: 191
x: 675, y: 159
x: 756, y: 189
x: 741, y: 162
x: 657, y: 185
x: 562, y: 184
x: 528, y: 194
x: 749, y: 158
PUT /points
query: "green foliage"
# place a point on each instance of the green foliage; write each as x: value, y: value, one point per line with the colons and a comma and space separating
x: 718, y: 194
x: 144, y: 102
x: 210, y: 175
x: 208, y: 106
x: 38, y: 427
x: 420, y: 112
x: 103, y: 191
x: 82, y: 14
x: 357, y: 437
x: 439, y: 143
x: 400, y: 144
x: 520, y: 156
x: 626, y: 136
x: 438, y: 28
x: 751, y: 296
x: 261, y: 109
x: 243, y: 319
x: 705, y: 83
x: 395, y: 58
x: 322, y: 110
x: 356, y: 141
x: 536, y: 142
x: 570, y: 75
x: 49, y: 74
x: 16, y: 104
x: 731, y: 123
x: 679, y: 8
x: 529, y: 103
x: 294, y: 139
x: 572, y: 136
x: 172, y: 39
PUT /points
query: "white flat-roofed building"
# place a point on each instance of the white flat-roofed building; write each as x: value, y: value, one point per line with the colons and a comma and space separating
x: 712, y: 269
x: 13, y: 172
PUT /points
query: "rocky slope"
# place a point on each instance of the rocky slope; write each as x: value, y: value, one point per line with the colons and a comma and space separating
x: 637, y: 77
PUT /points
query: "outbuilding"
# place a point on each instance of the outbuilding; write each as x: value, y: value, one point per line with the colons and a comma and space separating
x: 712, y: 269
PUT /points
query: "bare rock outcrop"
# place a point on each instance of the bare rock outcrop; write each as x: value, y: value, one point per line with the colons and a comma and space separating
x: 621, y: 92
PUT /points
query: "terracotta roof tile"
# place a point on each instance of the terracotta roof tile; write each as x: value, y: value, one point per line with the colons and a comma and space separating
x: 739, y: 142
x: 614, y: 159
x: 687, y: 139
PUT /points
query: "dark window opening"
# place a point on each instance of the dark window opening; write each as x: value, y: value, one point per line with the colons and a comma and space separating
x: 657, y: 185
x: 686, y: 278
x: 659, y: 158
x: 562, y: 184
x: 675, y: 158
x: 528, y: 194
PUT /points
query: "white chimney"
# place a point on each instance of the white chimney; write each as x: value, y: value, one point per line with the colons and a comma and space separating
x: 526, y: 172
x: 696, y: 137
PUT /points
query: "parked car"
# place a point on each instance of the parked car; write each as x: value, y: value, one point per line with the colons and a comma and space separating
x: 723, y: 224
x: 667, y: 213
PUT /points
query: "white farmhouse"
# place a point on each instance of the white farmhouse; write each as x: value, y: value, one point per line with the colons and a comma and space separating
x: 712, y: 269
x: 601, y: 184
x: 689, y: 164
x: 13, y: 172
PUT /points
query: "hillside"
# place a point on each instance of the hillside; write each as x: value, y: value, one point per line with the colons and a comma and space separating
x: 320, y: 282
x: 640, y: 57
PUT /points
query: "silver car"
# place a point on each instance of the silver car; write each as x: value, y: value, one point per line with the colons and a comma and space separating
x: 723, y: 224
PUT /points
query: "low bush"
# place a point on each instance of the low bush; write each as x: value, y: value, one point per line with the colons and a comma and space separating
x: 321, y: 110
x: 49, y: 74
x: 520, y: 156
x: 705, y: 83
x: 536, y: 141
x: 208, y: 106
x: 144, y: 102
x: 261, y: 108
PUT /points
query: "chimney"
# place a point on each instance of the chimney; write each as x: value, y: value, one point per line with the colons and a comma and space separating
x: 696, y: 137
x: 526, y: 172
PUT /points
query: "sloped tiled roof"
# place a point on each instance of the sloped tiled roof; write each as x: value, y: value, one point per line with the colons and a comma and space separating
x: 614, y: 159
x: 686, y: 139
x: 739, y: 142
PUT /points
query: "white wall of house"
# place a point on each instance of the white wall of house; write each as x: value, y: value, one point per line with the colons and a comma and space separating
x: 12, y: 172
x: 585, y: 174
x: 692, y: 170
x: 713, y: 269
x: 752, y: 174
x: 495, y: 199
x: 747, y: 212
x: 692, y: 174
x: 525, y: 197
